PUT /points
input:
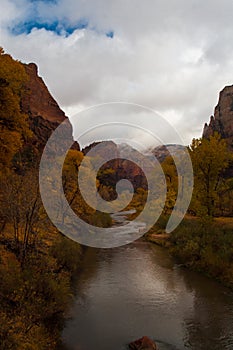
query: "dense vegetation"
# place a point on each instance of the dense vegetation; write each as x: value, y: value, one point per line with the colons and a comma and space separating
x: 204, y: 240
x: 36, y: 263
x: 205, y: 246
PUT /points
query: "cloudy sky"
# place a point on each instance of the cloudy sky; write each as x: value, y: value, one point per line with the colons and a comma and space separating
x: 173, y: 56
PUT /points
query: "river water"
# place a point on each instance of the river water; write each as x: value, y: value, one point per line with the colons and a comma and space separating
x: 135, y: 290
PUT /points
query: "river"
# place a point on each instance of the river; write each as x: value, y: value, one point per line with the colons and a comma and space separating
x: 135, y: 290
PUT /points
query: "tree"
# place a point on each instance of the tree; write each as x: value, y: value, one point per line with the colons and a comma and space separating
x: 170, y: 172
x: 14, y: 127
x: 21, y: 207
x: 210, y: 157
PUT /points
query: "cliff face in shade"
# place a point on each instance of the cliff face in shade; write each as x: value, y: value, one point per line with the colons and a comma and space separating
x: 44, y: 113
x: 222, y: 121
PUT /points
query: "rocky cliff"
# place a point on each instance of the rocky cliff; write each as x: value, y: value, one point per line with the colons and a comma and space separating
x: 37, y: 100
x: 222, y: 120
x: 44, y: 113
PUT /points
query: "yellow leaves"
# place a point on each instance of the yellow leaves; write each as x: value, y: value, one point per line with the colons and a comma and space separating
x: 13, y: 123
x: 10, y: 142
x: 13, y: 72
x: 210, y: 157
x: 31, y: 295
x: 73, y: 160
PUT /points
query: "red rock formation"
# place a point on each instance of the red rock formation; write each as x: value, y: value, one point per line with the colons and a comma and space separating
x: 222, y: 121
x: 37, y: 100
x: 144, y: 343
x: 44, y: 113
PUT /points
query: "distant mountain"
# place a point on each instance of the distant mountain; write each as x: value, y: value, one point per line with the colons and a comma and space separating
x: 164, y: 151
x: 122, y: 167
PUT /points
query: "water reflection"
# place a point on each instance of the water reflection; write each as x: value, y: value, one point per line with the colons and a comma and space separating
x: 137, y: 290
x: 210, y: 326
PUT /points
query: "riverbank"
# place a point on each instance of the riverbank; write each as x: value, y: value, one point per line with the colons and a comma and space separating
x: 36, y: 291
x: 161, y: 239
x: 204, y: 246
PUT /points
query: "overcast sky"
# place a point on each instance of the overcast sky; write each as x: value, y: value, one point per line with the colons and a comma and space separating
x: 173, y: 56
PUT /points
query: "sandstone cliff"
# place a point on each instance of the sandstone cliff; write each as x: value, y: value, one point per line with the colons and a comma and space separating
x: 37, y: 100
x: 222, y: 121
x: 44, y: 113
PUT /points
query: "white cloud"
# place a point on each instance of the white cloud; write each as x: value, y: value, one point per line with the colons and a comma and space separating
x: 173, y: 56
